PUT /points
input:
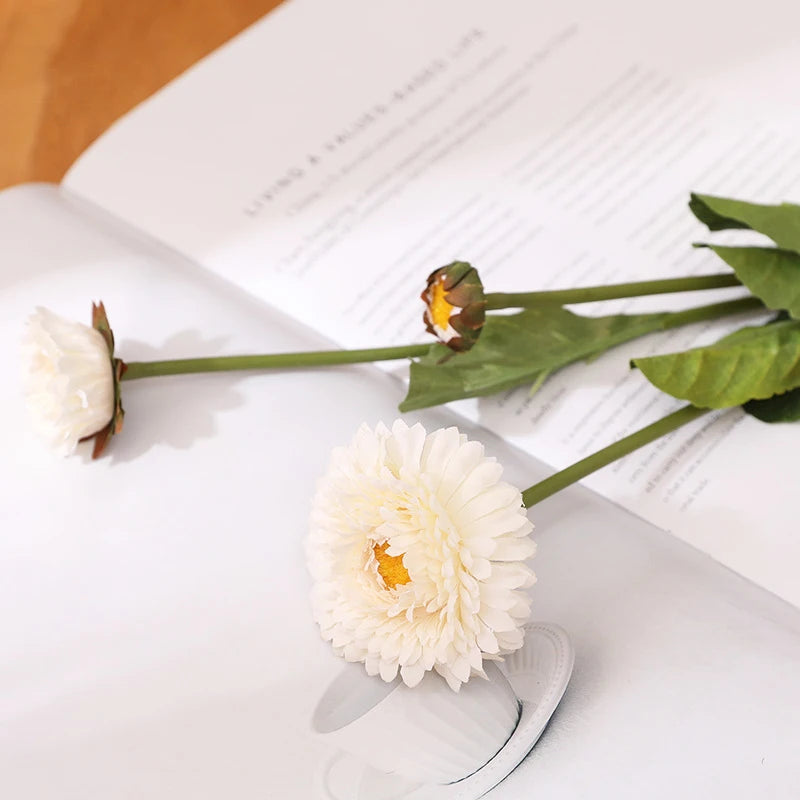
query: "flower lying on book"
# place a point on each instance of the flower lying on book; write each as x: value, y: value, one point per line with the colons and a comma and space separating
x: 417, y: 550
x: 513, y: 349
x: 71, y: 379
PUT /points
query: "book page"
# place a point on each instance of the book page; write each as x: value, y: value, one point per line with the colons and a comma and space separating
x: 156, y: 636
x: 334, y: 154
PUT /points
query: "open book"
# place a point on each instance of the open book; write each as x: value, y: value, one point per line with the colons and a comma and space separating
x: 328, y: 174
x: 329, y: 158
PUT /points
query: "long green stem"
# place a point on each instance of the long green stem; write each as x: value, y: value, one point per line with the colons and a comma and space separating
x: 580, y: 469
x: 601, y: 458
x: 589, y: 294
x: 318, y: 358
x: 712, y: 311
x: 149, y: 369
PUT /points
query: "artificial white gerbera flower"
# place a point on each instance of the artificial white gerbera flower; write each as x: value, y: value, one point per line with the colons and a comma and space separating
x: 417, y: 550
x: 69, y: 379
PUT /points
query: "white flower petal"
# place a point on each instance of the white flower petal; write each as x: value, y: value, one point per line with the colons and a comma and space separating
x: 388, y: 670
x: 510, y: 640
x: 404, y: 447
x: 452, y: 681
x: 412, y: 674
x: 463, y: 461
x: 481, y: 569
x: 440, y: 446
x: 497, y: 597
x: 461, y: 669
x: 490, y: 500
x: 487, y: 641
x: 495, y: 523
x: 512, y: 575
x: 483, y: 547
x: 487, y: 473
x: 513, y: 549
x: 499, y: 621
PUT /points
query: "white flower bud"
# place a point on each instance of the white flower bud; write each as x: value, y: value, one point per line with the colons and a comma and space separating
x: 68, y: 379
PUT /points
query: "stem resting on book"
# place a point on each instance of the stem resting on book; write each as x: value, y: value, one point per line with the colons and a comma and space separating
x: 319, y: 358
x: 580, y: 469
x: 589, y: 294
x: 713, y: 311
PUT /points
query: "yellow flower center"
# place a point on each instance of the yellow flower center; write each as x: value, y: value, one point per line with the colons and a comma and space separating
x: 390, y: 568
x: 439, y: 306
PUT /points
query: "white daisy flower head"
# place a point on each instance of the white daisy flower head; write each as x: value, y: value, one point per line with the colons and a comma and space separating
x: 417, y: 550
x: 69, y: 378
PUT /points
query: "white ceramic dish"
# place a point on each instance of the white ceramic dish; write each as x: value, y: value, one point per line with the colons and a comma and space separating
x: 539, y: 673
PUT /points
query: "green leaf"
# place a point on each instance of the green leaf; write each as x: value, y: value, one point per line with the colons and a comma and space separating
x: 752, y: 363
x: 771, y: 274
x: 778, y: 408
x: 781, y: 223
x: 517, y: 349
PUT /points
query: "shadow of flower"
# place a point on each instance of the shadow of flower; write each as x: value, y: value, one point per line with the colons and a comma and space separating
x: 174, y: 410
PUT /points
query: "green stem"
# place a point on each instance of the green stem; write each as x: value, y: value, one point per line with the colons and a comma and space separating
x: 589, y: 294
x: 181, y: 366
x: 580, y: 469
x: 713, y: 311
x: 601, y: 458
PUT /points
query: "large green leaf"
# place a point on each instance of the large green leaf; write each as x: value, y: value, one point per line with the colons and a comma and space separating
x: 519, y: 349
x: 778, y: 408
x: 770, y: 273
x: 750, y: 364
x: 781, y: 223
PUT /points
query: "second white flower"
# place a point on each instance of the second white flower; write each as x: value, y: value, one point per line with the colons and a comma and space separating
x: 418, y: 550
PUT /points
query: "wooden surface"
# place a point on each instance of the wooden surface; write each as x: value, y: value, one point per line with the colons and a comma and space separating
x: 69, y: 68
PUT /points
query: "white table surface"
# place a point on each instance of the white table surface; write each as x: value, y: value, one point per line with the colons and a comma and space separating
x: 155, y: 638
